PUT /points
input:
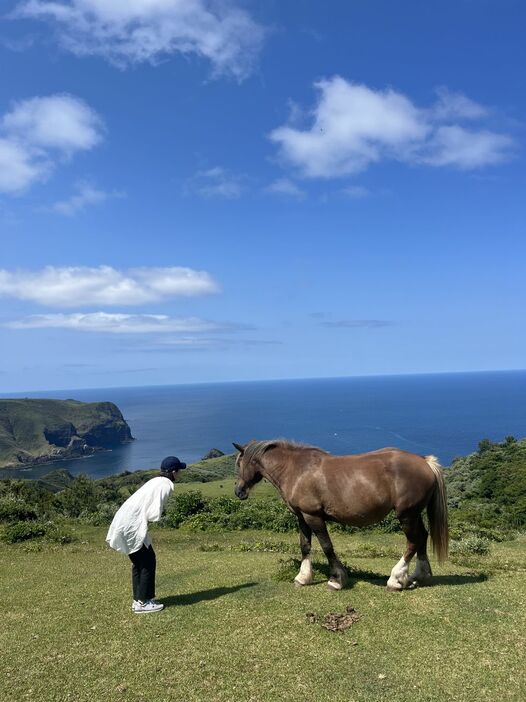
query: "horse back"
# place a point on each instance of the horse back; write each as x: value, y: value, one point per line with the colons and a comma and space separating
x: 363, y: 488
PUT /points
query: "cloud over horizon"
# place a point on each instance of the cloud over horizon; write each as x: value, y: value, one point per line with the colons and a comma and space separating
x: 139, y: 31
x: 357, y: 324
x: 39, y: 133
x: 354, y: 126
x: 82, y: 286
x: 116, y: 323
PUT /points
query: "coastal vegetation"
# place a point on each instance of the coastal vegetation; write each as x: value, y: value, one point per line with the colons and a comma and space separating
x: 486, y: 491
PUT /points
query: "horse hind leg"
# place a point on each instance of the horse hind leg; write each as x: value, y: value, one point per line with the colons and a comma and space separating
x: 422, y: 574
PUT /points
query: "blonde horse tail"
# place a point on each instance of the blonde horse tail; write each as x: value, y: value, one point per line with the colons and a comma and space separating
x: 437, y: 512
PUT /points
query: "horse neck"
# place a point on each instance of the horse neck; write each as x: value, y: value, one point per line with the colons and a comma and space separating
x: 274, y: 468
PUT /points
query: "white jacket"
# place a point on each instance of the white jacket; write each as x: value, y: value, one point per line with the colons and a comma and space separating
x: 129, y: 528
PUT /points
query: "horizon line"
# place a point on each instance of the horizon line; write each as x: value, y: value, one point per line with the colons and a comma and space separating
x: 266, y: 380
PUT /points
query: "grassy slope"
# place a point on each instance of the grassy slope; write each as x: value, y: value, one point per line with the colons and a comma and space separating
x: 232, y: 632
x: 196, y: 477
x: 22, y: 423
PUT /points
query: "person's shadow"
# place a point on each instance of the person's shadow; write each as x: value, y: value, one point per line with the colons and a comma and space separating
x: 202, y: 595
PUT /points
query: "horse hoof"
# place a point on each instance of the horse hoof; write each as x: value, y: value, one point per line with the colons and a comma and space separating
x: 334, y: 585
x: 299, y: 583
x: 391, y: 588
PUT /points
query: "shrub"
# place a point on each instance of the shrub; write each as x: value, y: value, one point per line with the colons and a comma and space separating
x: 26, y: 531
x: 80, y: 497
x: 470, y: 545
x: 58, y: 533
x: 104, y: 514
x: 183, y: 506
x: 14, y: 509
x: 23, y: 531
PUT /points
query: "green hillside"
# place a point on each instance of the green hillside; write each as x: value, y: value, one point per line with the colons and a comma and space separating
x: 489, y: 487
x: 33, y: 431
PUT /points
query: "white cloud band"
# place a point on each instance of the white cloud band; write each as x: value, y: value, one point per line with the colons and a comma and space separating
x: 116, y: 323
x: 83, y: 286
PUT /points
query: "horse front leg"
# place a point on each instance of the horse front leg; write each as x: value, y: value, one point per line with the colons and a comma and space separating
x: 304, y: 577
x: 338, y: 574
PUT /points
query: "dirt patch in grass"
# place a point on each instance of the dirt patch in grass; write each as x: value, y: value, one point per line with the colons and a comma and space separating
x: 334, y: 621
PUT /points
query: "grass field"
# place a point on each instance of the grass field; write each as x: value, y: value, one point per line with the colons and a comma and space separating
x: 232, y: 631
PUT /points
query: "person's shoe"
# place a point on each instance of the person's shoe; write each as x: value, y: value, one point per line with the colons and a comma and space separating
x: 146, y: 607
x: 135, y: 604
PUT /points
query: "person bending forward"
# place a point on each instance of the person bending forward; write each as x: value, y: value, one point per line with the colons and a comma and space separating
x: 128, y: 532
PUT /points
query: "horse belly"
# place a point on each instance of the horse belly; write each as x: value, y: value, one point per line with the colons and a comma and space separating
x: 359, y: 518
x: 359, y: 505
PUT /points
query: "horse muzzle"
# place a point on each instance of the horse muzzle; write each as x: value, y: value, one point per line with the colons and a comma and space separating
x: 241, y: 492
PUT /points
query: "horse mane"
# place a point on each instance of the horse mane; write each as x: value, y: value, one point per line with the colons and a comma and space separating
x: 255, y: 449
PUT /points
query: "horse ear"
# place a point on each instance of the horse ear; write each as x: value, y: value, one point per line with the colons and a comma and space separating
x: 240, y: 448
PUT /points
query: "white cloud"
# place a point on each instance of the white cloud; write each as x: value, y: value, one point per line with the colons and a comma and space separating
x: 61, y: 122
x: 134, y: 31
x: 83, y: 286
x: 18, y: 167
x: 354, y: 126
x: 285, y: 186
x: 116, y: 323
x: 467, y: 149
x: 357, y: 324
x: 356, y: 192
x: 456, y: 106
x: 217, y: 182
x: 40, y: 132
x: 86, y: 194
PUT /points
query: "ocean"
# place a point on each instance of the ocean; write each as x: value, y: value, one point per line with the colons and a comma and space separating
x: 441, y: 414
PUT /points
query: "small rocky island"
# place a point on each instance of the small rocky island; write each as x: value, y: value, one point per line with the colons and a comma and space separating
x: 35, y: 431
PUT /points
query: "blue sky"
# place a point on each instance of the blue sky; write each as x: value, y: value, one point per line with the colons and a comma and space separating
x: 201, y: 191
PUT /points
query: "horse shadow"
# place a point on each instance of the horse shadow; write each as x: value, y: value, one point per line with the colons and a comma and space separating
x: 191, y: 598
x: 380, y: 579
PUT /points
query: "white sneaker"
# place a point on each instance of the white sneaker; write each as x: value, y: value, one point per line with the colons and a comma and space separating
x: 135, y: 604
x: 145, y: 607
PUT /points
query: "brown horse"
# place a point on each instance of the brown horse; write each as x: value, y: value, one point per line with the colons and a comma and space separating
x: 355, y: 490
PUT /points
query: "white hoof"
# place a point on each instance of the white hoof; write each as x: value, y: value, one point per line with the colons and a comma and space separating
x: 298, y: 582
x: 393, y: 585
x: 304, y: 577
x: 399, y: 578
x: 334, y: 585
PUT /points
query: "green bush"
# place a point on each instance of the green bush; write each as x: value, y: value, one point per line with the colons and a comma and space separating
x: 182, y: 506
x: 14, y: 509
x: 470, y: 545
x: 23, y: 531
x: 192, y: 511
x: 58, y: 533
x: 104, y: 514
x: 26, y: 531
x: 81, y: 497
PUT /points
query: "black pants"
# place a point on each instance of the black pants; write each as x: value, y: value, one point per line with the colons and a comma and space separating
x: 143, y: 573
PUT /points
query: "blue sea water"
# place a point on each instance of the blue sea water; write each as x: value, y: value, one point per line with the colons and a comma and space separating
x: 443, y: 414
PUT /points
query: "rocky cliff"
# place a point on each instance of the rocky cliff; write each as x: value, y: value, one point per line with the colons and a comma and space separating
x: 33, y: 431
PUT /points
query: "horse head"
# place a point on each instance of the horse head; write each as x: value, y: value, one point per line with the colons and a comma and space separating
x: 248, y: 469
